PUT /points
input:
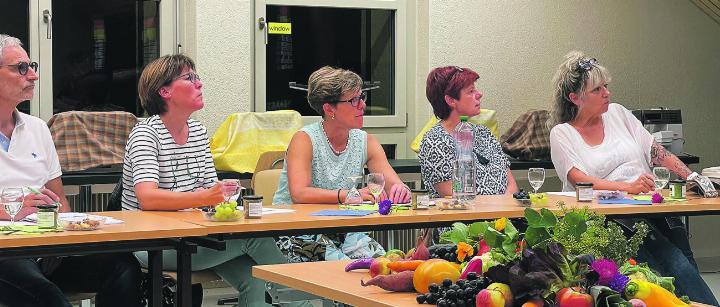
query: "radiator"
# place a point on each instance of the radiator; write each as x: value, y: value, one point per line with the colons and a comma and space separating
x: 98, y: 201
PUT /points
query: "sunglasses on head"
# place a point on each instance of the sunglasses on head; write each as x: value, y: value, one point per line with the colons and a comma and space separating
x: 22, y: 67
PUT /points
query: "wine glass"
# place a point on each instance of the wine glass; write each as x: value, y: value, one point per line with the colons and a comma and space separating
x: 536, y: 177
x: 229, y: 188
x: 12, y: 200
x: 353, y: 196
x: 661, y: 176
x: 375, y: 183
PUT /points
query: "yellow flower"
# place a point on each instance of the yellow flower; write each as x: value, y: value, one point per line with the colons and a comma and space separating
x: 500, y: 224
x: 464, y: 250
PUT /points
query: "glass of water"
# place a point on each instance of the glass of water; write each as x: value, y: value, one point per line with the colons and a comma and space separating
x: 12, y: 201
x: 661, y: 176
x: 353, y: 196
x: 375, y: 183
x: 229, y: 188
x: 536, y: 177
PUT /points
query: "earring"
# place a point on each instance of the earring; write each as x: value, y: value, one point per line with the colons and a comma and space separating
x: 333, y: 116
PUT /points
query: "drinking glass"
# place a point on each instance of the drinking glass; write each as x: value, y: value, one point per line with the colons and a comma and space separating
x: 12, y: 200
x: 353, y: 196
x: 375, y: 183
x: 536, y: 176
x: 661, y: 176
x: 229, y: 188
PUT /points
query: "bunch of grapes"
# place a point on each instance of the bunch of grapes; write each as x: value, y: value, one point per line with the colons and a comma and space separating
x: 444, y: 251
x: 522, y: 194
x: 224, y: 211
x: 460, y: 294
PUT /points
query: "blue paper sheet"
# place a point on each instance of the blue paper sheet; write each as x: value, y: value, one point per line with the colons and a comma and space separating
x: 343, y: 212
x: 624, y: 201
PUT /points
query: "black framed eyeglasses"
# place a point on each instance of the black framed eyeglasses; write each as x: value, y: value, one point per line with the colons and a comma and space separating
x: 23, y: 67
x: 191, y: 76
x: 178, y: 173
x: 355, y: 101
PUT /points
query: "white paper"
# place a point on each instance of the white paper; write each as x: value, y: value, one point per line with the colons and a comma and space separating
x: 266, y: 210
x: 19, y: 223
x: 571, y: 194
x: 76, y: 216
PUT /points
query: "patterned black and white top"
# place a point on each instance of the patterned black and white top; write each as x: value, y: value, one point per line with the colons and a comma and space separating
x: 437, y: 160
x: 151, y: 155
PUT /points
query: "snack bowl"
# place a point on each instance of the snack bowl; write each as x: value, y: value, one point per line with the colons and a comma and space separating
x: 450, y: 204
x: 222, y: 216
x: 83, y: 224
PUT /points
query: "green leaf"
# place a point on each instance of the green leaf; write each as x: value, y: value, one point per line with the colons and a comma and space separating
x: 548, y: 218
x: 576, y: 224
x: 462, y: 231
x: 509, y: 246
x: 445, y: 236
x: 494, y: 238
x: 533, y: 217
x: 457, y: 237
x: 510, y: 230
x: 477, y: 229
x: 535, y: 235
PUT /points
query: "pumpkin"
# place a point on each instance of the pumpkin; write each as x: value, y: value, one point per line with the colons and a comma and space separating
x: 434, y: 271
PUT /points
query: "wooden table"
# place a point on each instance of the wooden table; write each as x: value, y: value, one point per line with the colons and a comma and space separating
x: 141, y: 231
x: 329, y: 280
x: 486, y: 207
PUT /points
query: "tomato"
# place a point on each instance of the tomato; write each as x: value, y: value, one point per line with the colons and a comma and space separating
x: 434, y: 271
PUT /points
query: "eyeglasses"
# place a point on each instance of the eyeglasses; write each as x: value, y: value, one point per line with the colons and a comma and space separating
x: 355, y: 101
x: 23, y: 67
x: 191, y: 76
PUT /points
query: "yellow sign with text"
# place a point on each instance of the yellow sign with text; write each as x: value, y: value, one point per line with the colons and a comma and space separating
x: 279, y: 28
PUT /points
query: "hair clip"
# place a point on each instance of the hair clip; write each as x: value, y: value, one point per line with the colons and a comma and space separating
x: 587, y: 64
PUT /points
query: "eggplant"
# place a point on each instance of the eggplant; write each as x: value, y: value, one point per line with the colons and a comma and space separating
x: 363, y: 263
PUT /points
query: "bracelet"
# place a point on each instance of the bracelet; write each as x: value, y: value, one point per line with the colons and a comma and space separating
x: 339, y: 201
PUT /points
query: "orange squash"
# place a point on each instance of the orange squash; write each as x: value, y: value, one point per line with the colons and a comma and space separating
x: 434, y: 271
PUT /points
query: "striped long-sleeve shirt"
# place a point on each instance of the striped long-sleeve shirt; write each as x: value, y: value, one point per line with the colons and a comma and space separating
x: 152, y: 155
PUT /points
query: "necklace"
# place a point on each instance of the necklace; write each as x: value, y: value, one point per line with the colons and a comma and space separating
x: 335, y: 151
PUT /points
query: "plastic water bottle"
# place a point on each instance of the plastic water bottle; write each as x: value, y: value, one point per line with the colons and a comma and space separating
x: 464, y: 188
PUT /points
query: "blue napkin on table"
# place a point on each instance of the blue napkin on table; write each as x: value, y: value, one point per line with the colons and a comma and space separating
x: 343, y: 212
x: 624, y: 201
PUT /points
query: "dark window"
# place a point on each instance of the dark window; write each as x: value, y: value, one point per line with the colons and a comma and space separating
x: 361, y: 40
x: 99, y: 50
x: 14, y: 22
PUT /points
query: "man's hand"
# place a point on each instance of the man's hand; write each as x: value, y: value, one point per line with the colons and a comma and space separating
x: 45, y: 197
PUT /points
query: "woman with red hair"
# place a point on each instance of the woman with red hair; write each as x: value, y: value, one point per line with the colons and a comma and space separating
x: 452, y: 93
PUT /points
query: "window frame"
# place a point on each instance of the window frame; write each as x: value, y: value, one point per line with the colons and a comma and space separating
x: 399, y: 119
x: 41, y: 49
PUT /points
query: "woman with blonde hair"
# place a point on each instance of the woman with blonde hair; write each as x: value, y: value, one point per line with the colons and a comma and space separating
x: 594, y: 140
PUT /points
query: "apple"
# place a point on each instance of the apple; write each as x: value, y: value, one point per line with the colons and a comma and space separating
x: 379, y: 266
x: 574, y: 297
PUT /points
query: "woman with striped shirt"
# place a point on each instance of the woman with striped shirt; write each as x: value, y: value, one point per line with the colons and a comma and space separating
x: 168, y: 166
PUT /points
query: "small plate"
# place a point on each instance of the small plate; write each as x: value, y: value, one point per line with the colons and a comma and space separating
x: 84, y: 224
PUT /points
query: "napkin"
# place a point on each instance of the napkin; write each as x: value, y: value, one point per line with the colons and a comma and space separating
x: 343, y: 212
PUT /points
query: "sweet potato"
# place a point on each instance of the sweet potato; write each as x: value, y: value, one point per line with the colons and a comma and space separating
x: 400, y: 282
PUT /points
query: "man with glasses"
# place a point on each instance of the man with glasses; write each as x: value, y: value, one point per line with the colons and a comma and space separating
x: 28, y: 159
